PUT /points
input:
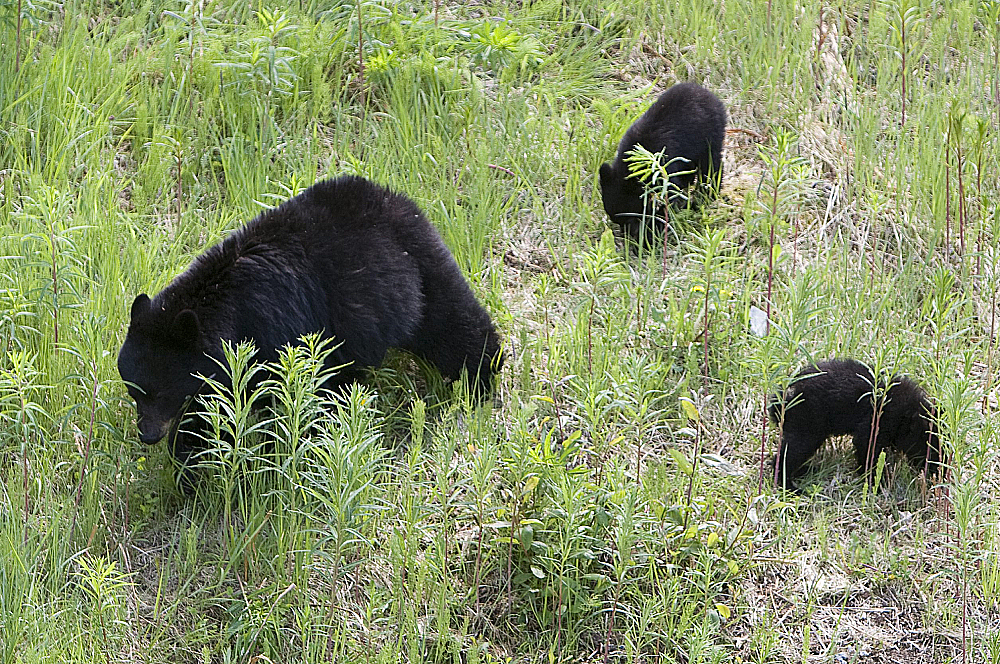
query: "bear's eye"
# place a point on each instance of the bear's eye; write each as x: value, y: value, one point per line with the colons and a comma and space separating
x: 137, y: 393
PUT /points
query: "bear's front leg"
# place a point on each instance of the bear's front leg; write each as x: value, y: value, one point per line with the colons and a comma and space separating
x: 186, y: 440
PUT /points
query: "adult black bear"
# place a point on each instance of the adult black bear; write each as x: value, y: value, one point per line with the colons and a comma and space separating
x: 346, y: 258
x: 834, y: 398
x: 686, y: 121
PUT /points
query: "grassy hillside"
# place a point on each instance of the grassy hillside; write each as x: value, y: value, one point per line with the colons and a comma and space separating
x: 609, y: 506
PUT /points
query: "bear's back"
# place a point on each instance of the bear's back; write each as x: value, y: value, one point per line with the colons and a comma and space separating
x: 334, y: 211
x: 685, y: 120
x: 834, y: 395
x: 345, y: 256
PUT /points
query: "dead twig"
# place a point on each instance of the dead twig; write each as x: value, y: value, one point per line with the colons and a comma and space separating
x: 741, y: 130
x: 501, y: 168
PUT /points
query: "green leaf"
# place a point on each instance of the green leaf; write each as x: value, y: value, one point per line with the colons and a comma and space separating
x: 529, y: 485
x: 682, y: 463
x: 607, y: 243
x: 690, y: 410
x: 527, y: 537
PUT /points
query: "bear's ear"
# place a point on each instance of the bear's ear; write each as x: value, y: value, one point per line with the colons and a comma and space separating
x: 140, y: 305
x: 185, y: 327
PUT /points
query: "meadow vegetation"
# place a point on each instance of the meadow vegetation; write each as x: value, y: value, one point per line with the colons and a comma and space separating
x: 612, y: 503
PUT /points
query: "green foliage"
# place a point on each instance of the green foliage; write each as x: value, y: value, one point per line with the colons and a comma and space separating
x: 651, y: 170
x: 262, y: 62
x: 104, y: 585
x: 500, y: 47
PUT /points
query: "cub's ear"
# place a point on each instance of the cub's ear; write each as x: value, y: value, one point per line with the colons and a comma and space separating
x: 185, y: 327
x: 605, y: 172
x: 140, y: 305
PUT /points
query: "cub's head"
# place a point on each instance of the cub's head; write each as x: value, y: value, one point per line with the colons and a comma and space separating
x: 624, y: 203
x: 918, y: 435
x: 162, y: 353
x: 921, y: 440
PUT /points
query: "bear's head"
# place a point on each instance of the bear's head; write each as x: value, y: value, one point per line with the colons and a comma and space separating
x: 163, y: 354
x: 623, y: 201
x: 917, y: 435
x: 921, y: 442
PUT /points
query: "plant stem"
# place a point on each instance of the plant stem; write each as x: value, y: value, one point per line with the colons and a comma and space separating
x: 611, y: 621
x: 552, y: 381
x: 763, y: 441
x: 24, y: 466
x: 902, y: 50
x: 694, y: 471
x: 767, y: 330
x: 180, y: 193
x: 989, y: 355
x: 947, y: 192
x: 479, y: 553
x: 17, y: 50
x: 510, y: 548
x: 87, y: 447
x: 590, y: 340
x: 55, y: 285
x: 666, y: 229
x: 361, y: 70
x: 961, y: 194
x: 704, y: 368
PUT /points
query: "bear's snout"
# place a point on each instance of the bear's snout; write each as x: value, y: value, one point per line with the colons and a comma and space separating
x: 152, y: 432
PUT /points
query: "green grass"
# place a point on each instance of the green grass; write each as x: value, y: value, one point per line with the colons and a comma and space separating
x: 608, y: 507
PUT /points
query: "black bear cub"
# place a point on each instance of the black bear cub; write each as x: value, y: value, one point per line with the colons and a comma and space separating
x: 346, y: 258
x: 686, y: 121
x: 835, y: 398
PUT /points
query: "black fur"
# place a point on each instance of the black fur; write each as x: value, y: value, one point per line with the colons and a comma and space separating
x: 346, y: 258
x: 686, y: 121
x: 835, y: 398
